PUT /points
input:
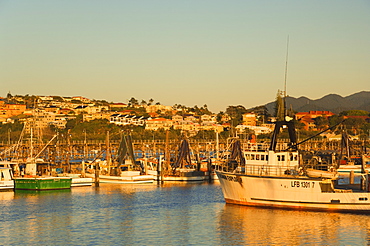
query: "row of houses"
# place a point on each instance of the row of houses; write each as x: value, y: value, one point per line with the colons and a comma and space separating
x: 58, y: 112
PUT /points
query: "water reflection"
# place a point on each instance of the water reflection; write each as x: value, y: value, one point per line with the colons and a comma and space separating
x: 6, y: 195
x: 241, y: 225
x: 170, y: 214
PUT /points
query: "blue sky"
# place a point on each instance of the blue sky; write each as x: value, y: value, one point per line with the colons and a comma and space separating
x: 218, y: 53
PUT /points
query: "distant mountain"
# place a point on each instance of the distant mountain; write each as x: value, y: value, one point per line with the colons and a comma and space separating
x: 331, y: 102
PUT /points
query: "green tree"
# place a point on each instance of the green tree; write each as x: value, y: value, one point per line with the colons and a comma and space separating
x: 321, y: 122
x: 354, y: 125
x: 355, y: 113
x: 143, y: 103
x: 133, y: 102
x: 236, y: 114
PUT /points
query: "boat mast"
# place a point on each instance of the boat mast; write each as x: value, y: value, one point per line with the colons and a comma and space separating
x: 282, y: 114
x: 286, y: 67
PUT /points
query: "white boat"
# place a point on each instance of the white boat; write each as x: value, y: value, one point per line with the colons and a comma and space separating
x: 6, y: 178
x: 349, y: 167
x: 81, y: 182
x: 128, y: 170
x: 126, y: 177
x: 77, y: 180
x: 272, y: 178
x: 183, y: 168
x: 186, y: 175
x: 313, y: 173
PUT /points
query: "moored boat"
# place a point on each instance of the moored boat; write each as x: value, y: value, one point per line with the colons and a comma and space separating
x: 42, y: 183
x: 6, y: 178
x: 77, y: 180
x: 131, y: 179
x: 183, y: 168
x: 273, y: 178
x: 313, y: 173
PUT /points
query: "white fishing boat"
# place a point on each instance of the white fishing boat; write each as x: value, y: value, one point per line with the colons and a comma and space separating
x: 6, y: 178
x: 347, y: 168
x: 184, y: 168
x: 127, y: 178
x: 127, y: 170
x: 186, y: 175
x: 272, y: 178
x: 77, y: 180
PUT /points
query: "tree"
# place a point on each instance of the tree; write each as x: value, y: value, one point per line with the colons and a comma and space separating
x: 143, y: 103
x: 354, y: 125
x: 9, y: 96
x: 236, y: 114
x: 73, y: 122
x: 355, y: 113
x: 321, y: 122
x: 133, y: 102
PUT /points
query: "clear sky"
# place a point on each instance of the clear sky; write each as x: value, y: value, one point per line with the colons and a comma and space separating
x: 188, y: 52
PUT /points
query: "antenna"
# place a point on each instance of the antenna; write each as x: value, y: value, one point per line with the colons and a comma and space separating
x: 286, y: 66
x: 286, y: 72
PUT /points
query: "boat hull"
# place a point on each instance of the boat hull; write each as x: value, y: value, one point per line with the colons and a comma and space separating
x: 6, y: 185
x: 299, y: 193
x: 49, y: 183
x: 6, y: 178
x: 139, y: 179
x: 184, y: 178
x: 81, y: 182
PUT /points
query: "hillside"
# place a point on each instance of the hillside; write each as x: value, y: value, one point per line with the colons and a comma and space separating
x: 332, y: 102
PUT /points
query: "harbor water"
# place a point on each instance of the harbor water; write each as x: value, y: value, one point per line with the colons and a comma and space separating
x: 169, y: 214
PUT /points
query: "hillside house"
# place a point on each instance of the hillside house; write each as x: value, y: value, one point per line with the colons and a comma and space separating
x: 10, y: 110
x: 308, y: 118
x: 125, y: 119
x: 155, y: 108
x: 158, y: 123
x: 97, y: 116
x: 249, y: 119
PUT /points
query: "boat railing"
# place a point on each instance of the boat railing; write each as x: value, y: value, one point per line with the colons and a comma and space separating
x: 267, y: 170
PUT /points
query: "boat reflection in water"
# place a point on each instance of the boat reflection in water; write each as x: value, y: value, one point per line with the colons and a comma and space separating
x: 243, y: 225
x: 170, y: 214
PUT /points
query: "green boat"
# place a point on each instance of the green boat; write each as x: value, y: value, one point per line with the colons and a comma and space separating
x: 42, y: 183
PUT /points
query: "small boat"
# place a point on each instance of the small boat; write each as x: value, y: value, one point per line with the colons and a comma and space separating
x: 127, y: 170
x: 81, y: 182
x: 314, y: 173
x: 42, y: 183
x: 274, y: 178
x: 6, y: 178
x: 127, y: 178
x: 184, y: 168
x: 77, y: 180
x: 186, y: 175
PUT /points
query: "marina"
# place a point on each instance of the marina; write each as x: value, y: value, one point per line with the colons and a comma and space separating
x: 161, y: 123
